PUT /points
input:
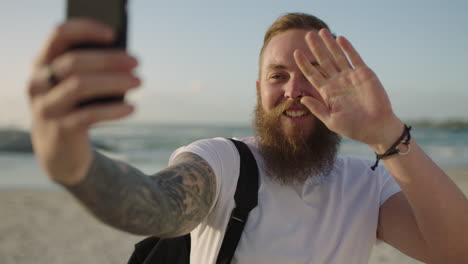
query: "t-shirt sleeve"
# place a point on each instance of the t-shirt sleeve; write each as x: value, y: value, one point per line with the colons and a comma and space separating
x: 215, y: 152
x: 389, y: 186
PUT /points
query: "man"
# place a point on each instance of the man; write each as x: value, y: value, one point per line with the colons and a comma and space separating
x: 312, y: 208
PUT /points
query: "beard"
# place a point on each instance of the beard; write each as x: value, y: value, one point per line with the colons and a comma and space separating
x: 293, y: 159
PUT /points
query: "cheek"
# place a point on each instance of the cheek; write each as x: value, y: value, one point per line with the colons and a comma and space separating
x: 271, y: 97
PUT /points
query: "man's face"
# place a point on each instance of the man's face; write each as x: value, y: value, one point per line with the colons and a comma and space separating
x: 281, y: 83
x: 294, y: 143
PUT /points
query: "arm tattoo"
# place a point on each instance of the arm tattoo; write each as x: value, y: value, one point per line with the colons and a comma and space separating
x: 170, y: 203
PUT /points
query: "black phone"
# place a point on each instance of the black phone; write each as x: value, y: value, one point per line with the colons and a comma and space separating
x: 110, y: 12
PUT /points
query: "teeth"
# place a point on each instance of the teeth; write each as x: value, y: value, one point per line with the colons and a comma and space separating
x: 295, y: 113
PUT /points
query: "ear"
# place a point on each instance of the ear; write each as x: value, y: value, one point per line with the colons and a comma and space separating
x: 257, y: 83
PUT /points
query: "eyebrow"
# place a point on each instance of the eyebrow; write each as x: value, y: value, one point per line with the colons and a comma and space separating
x: 277, y: 67
x: 274, y: 66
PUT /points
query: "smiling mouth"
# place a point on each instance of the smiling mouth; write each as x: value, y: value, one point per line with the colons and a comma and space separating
x: 295, y: 113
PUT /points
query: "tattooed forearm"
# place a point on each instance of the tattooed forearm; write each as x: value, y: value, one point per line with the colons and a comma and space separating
x: 167, y: 204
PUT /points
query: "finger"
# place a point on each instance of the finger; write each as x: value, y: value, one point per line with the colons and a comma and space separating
x: 40, y: 81
x: 354, y: 56
x: 322, y: 55
x: 337, y: 53
x: 72, y: 32
x: 84, y: 118
x: 309, y: 70
x: 64, y: 98
x: 319, y: 109
x: 79, y: 62
x: 90, y: 61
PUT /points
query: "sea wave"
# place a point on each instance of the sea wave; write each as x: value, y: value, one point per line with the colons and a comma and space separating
x: 19, y: 141
x: 148, y: 147
x: 446, y: 124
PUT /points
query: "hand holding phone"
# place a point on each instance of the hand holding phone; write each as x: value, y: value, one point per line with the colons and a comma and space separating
x: 109, y: 12
x: 60, y: 129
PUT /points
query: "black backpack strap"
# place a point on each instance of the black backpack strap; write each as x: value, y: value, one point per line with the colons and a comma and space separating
x: 174, y: 250
x: 246, y: 199
x: 153, y: 250
x: 142, y: 250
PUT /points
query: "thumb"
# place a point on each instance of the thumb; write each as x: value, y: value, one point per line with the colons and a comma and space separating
x: 319, y: 109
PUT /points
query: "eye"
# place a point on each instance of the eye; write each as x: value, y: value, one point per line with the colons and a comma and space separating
x: 277, y: 76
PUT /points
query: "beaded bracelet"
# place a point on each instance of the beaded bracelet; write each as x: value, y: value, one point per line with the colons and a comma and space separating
x: 393, y: 150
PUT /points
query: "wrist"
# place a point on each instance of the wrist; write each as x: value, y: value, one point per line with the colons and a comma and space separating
x: 404, y: 139
x: 74, y: 175
x: 390, y: 132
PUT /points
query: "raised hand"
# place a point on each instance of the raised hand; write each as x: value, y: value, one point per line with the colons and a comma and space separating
x: 355, y: 103
x: 61, y: 79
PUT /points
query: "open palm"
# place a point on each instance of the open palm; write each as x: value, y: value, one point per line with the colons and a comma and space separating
x: 355, y: 103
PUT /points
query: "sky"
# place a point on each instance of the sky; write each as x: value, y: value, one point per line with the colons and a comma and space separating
x: 198, y: 59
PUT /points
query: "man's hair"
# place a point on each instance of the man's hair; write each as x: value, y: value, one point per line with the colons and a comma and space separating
x: 292, y: 21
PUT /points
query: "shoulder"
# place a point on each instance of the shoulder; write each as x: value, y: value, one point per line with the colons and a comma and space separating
x: 220, y: 153
x: 348, y: 170
x: 356, y: 167
x: 217, y: 147
x: 213, y: 150
x: 356, y: 174
x: 355, y: 164
x: 222, y: 156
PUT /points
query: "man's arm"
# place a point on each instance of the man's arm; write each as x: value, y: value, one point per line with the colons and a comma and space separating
x: 430, y: 221
x: 397, y: 226
x: 168, y: 204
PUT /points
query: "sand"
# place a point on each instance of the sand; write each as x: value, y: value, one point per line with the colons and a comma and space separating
x: 49, y: 226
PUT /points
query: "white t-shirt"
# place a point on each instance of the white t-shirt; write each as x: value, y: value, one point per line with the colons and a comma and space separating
x: 325, y: 220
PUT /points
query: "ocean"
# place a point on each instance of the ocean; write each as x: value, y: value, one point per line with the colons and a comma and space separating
x: 149, y: 146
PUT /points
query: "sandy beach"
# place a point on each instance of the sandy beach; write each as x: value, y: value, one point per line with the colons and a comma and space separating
x: 49, y: 226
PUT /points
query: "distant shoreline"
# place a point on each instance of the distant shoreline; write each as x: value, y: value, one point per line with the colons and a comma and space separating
x: 448, y: 124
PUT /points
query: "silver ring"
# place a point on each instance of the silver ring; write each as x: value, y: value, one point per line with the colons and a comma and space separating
x: 52, y: 77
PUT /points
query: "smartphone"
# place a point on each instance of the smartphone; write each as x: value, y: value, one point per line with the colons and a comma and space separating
x: 110, y: 12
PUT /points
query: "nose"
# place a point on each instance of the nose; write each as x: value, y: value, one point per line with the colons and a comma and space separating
x: 296, y: 87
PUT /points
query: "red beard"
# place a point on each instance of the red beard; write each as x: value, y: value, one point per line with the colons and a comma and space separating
x: 293, y: 159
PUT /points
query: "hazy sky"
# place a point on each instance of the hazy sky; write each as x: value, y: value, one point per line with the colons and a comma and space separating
x: 198, y: 59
